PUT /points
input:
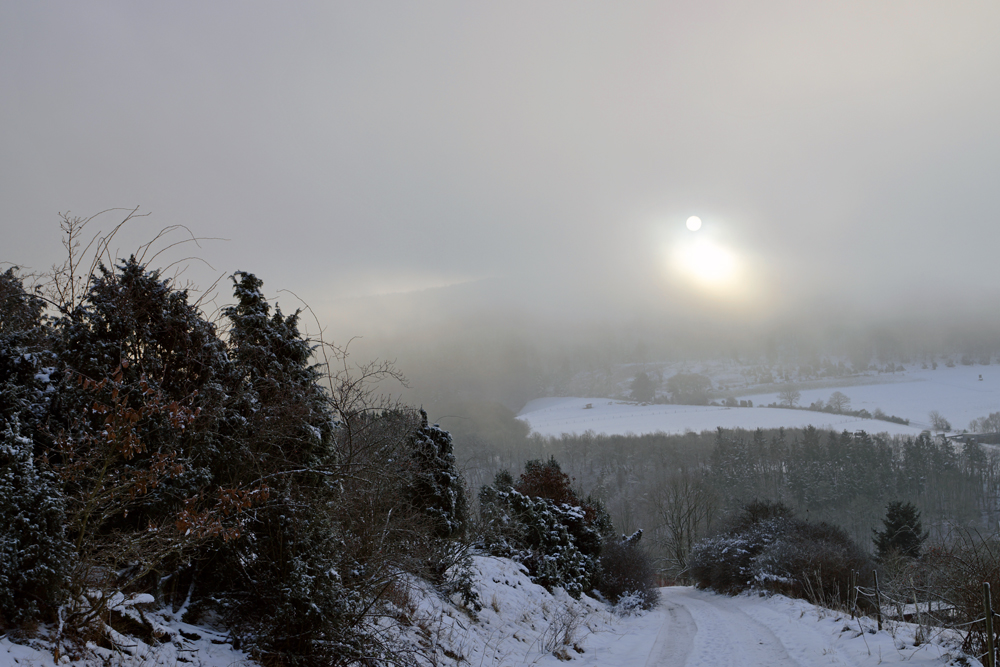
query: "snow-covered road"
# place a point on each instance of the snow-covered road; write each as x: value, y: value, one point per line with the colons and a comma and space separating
x: 693, y: 628
x: 701, y: 628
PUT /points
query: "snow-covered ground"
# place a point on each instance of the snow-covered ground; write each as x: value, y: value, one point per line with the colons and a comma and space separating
x: 175, y: 643
x: 694, y: 628
x: 957, y: 393
x: 556, y: 416
x: 523, y: 624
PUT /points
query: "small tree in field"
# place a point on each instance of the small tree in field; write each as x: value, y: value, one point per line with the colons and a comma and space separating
x: 938, y: 422
x: 902, y: 532
x: 789, y: 397
x: 839, y: 402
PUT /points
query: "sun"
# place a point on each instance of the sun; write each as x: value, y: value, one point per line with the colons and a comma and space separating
x: 708, y: 264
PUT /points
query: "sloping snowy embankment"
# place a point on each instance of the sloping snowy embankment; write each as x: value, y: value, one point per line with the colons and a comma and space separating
x: 174, y: 644
x: 523, y: 624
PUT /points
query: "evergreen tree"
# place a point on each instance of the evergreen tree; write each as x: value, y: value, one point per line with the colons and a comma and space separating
x: 131, y: 314
x: 26, y: 365
x: 643, y: 389
x: 284, y: 584
x: 902, y: 531
x: 35, y: 557
x: 283, y: 406
x: 135, y: 343
x: 436, y: 487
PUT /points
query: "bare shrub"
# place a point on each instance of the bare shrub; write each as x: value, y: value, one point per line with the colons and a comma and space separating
x: 562, y: 631
x: 685, y: 507
x: 627, y: 570
x: 955, y: 571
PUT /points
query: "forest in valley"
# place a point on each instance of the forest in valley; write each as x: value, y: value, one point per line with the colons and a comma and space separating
x: 681, y: 488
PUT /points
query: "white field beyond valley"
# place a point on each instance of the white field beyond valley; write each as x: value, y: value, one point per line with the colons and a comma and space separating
x: 956, y: 393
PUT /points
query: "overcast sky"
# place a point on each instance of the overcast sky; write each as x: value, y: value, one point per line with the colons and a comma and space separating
x: 836, y: 153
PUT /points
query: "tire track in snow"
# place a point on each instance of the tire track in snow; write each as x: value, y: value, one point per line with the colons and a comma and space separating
x: 674, y: 640
x: 705, y: 629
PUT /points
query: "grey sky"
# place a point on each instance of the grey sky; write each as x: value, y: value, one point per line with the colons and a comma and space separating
x: 844, y: 152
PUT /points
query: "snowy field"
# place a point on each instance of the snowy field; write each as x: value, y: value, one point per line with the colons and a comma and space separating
x: 552, y: 417
x: 957, y: 393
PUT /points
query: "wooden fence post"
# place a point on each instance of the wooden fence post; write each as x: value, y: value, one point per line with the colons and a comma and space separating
x: 852, y: 595
x: 991, y: 659
x: 878, y: 602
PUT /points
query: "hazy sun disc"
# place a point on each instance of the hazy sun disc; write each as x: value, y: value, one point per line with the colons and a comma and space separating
x: 693, y: 223
x: 708, y: 265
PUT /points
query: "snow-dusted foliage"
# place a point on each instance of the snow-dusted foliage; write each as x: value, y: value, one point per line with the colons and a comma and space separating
x: 767, y: 548
x: 436, y: 487
x: 541, y: 523
x: 26, y: 365
x: 133, y: 328
x: 282, y: 402
x: 35, y: 557
x: 143, y: 453
x: 300, y: 602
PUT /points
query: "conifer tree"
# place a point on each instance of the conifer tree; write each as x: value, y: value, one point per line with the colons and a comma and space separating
x: 35, y: 557
x: 436, y: 488
x: 902, y: 531
x: 283, y: 404
x: 643, y: 389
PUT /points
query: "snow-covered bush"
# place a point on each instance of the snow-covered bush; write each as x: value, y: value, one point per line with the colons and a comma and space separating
x: 630, y: 604
x: 35, y: 557
x: 542, y: 523
x: 146, y: 454
x: 769, y: 549
x: 300, y: 602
